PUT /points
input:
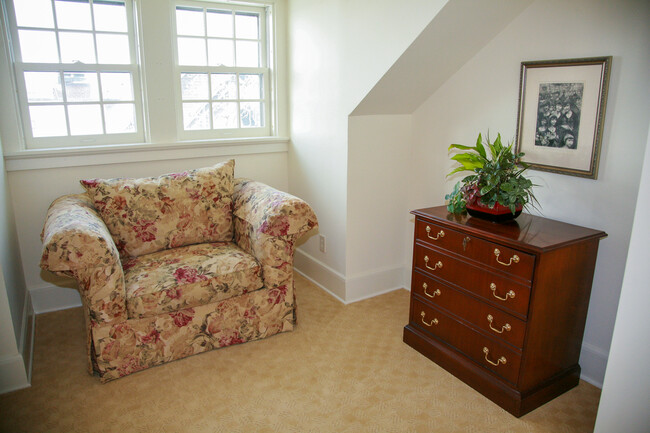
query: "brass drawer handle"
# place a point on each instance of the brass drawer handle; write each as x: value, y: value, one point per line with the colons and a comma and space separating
x: 513, y: 259
x: 433, y: 322
x: 425, y: 287
x: 510, y: 294
x: 441, y: 234
x: 501, y: 360
x: 436, y: 266
x: 505, y: 327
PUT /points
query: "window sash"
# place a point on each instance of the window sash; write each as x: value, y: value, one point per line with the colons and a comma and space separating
x: 263, y: 70
x: 80, y: 139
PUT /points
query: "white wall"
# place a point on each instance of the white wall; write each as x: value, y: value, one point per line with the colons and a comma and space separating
x: 626, y: 390
x: 483, y: 95
x: 15, y: 345
x: 379, y: 155
x: 338, y: 50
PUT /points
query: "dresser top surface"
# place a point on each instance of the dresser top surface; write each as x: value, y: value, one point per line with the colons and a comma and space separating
x: 527, y: 231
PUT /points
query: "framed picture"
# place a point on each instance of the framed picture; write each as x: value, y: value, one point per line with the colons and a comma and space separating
x: 561, y: 114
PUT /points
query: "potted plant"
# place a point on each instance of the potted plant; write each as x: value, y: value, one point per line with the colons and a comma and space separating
x: 496, y: 189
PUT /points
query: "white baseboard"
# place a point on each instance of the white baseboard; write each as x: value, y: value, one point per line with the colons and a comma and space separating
x: 374, y: 283
x: 54, y: 298
x: 28, y: 333
x: 16, y: 368
x: 320, y: 274
x: 13, y: 375
x: 593, y: 362
x: 352, y: 289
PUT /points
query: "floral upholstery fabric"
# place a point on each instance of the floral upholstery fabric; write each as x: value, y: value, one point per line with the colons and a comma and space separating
x: 126, y: 347
x: 155, y: 308
x: 152, y: 214
x: 270, y: 211
x: 78, y: 244
x: 187, y: 277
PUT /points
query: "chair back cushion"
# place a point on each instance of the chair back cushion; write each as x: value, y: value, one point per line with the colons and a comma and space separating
x: 156, y: 213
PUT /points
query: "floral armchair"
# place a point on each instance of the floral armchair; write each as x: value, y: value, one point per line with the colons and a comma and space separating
x: 177, y: 265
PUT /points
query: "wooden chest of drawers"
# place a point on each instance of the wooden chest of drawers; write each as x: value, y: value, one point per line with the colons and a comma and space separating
x: 502, y: 306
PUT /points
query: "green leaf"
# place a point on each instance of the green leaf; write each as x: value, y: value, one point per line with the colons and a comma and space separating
x: 456, y: 170
x: 480, y: 148
x: 485, y: 190
x: 460, y: 146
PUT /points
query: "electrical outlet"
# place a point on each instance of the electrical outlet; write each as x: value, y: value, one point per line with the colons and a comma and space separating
x: 321, y: 239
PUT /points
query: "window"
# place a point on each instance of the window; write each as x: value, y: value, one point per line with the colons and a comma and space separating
x: 88, y: 73
x: 222, y: 70
x: 76, y: 72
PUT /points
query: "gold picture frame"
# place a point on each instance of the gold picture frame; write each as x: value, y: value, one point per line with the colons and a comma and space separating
x: 561, y: 114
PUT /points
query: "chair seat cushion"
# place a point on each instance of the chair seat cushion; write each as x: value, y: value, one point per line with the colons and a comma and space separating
x: 187, y: 277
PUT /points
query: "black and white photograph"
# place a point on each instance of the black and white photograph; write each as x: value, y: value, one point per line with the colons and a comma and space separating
x: 561, y: 114
x: 558, y: 114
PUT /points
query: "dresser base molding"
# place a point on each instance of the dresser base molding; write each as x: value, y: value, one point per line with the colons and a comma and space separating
x: 510, y: 399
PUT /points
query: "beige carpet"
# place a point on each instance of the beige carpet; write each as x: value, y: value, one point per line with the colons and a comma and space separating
x: 344, y: 369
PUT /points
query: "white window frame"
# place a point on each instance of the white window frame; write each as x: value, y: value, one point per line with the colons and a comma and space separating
x: 72, y: 141
x: 265, y: 70
x: 155, y: 42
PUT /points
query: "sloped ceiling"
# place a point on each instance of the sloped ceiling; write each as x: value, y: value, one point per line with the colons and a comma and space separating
x: 453, y: 37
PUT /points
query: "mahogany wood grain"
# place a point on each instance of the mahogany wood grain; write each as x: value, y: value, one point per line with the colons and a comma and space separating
x: 552, y: 282
x: 475, y: 248
x: 471, y: 309
x: 474, y: 279
x: 467, y: 341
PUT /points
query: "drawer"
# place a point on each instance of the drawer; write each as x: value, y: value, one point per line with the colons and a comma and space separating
x: 494, y: 288
x: 483, y: 316
x: 496, y: 357
x: 497, y: 256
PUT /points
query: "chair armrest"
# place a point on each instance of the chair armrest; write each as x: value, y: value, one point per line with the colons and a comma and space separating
x: 270, y: 211
x: 267, y: 224
x: 77, y: 243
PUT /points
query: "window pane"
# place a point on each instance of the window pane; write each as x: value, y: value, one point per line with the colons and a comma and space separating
x: 110, y: 16
x: 77, y: 47
x: 81, y: 86
x: 117, y: 86
x: 194, y: 86
x: 48, y: 121
x: 73, y: 14
x: 248, y: 54
x: 85, y: 119
x: 220, y: 24
x: 191, y: 52
x: 196, y: 115
x: 43, y: 87
x: 120, y: 118
x: 224, y: 86
x: 189, y: 22
x: 34, y: 13
x: 251, y: 115
x: 250, y: 86
x: 113, y: 49
x: 221, y: 52
x: 38, y: 46
x: 247, y: 26
x: 224, y: 115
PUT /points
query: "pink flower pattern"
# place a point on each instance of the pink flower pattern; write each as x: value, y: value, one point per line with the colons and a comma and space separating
x: 277, y: 295
x: 141, y: 214
x: 181, y: 318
